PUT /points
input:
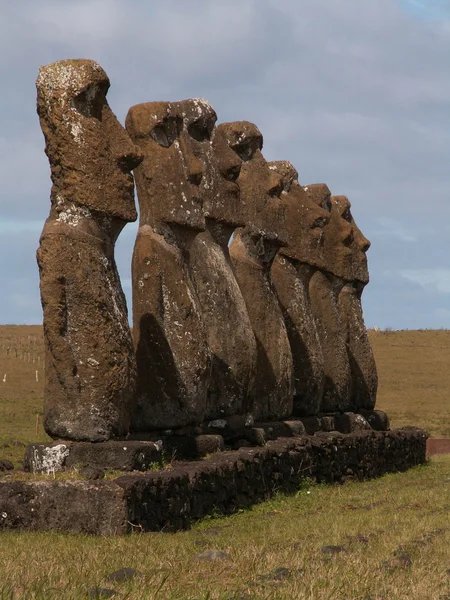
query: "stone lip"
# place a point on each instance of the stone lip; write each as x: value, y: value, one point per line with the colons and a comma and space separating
x: 228, y: 481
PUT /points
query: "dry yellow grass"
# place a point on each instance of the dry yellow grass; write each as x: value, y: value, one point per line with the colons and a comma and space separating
x: 414, y: 378
x: 387, y: 539
x: 413, y: 368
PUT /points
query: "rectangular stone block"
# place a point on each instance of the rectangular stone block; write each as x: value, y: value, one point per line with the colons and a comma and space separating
x: 74, y: 506
x: 115, y: 455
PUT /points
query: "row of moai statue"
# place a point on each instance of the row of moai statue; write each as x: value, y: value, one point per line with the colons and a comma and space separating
x: 268, y: 326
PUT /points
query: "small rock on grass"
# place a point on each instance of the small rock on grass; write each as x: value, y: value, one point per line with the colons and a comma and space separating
x: 400, y: 561
x: 92, y: 473
x: 122, y: 575
x: 208, y: 555
x: 6, y: 465
x: 97, y: 593
x: 331, y: 550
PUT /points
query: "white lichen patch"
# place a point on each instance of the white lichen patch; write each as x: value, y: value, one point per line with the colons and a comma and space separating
x: 50, y: 459
x: 77, y: 132
x: 218, y: 424
x: 68, y: 77
x: 71, y: 213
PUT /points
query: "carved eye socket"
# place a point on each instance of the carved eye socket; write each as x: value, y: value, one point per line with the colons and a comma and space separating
x: 320, y: 222
x: 326, y: 204
x: 201, y: 130
x: 90, y: 101
x: 167, y: 131
x: 245, y: 151
x: 347, y: 215
x: 232, y: 173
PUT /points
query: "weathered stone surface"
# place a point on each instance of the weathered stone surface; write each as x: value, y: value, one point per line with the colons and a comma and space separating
x: 228, y: 329
x: 350, y: 422
x: 275, y: 429
x: 126, y: 455
x: 377, y: 419
x: 324, y: 288
x: 351, y: 386
x: 226, y: 482
x: 327, y: 423
x: 208, y: 444
x: 90, y: 507
x: 291, y: 272
x: 173, y: 359
x: 174, y: 499
x: 324, y: 294
x: 312, y: 424
x: 252, y: 252
x: 184, y: 447
x: 90, y: 365
x: 355, y: 273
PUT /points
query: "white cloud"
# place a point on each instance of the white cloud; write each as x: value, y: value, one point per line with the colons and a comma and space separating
x: 436, y: 278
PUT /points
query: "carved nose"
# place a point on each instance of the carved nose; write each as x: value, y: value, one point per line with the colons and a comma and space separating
x: 364, y: 244
x: 347, y: 237
x: 194, y: 168
x: 195, y: 171
x: 231, y: 168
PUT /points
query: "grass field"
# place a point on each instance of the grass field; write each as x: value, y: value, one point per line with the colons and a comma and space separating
x: 385, y: 539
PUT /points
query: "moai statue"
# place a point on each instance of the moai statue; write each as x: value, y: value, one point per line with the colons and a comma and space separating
x: 229, y: 331
x: 172, y: 355
x: 324, y: 289
x: 356, y: 276
x: 90, y: 366
x: 292, y: 270
x: 252, y: 251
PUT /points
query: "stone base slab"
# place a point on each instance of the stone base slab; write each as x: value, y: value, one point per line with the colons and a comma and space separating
x: 171, y: 500
x: 116, y: 455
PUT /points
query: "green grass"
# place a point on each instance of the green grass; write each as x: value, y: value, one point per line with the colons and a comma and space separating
x: 379, y: 527
x: 393, y: 533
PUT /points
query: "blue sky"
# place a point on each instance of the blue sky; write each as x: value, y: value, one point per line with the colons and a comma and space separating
x: 429, y: 9
x: 354, y: 93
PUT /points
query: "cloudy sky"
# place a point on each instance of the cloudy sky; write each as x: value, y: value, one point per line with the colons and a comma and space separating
x: 355, y: 93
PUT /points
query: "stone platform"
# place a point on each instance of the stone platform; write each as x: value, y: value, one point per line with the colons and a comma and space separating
x: 171, y: 500
x: 146, y: 451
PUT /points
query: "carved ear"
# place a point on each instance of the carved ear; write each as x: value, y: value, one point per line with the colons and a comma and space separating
x: 201, y: 130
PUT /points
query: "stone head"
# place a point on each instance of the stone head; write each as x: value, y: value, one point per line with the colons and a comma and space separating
x: 169, y: 177
x: 91, y: 155
x: 304, y: 218
x: 260, y: 185
x: 345, y: 245
x: 219, y: 191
